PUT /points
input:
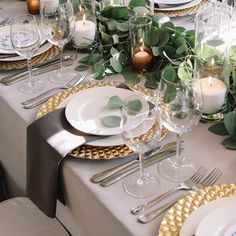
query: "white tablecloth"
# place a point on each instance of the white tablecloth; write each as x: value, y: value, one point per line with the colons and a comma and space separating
x: 91, y: 209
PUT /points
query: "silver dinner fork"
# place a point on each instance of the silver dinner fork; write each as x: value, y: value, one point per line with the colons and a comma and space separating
x: 44, y: 96
x: 207, y: 181
x: 186, y: 185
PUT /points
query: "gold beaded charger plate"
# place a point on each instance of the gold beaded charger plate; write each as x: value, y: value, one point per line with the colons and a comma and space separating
x: 184, y: 10
x: 89, y: 151
x: 177, y: 215
x: 12, y: 65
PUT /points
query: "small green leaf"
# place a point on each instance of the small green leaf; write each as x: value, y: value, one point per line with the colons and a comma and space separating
x: 114, y: 52
x: 218, y: 129
x: 141, y: 10
x: 123, y: 26
x: 230, y: 122
x: 115, y: 65
x: 115, y: 102
x: 229, y: 143
x: 170, y: 93
x: 99, y: 72
x: 107, y: 12
x: 102, y: 18
x: 169, y: 27
x: 185, y: 71
x: 106, y: 38
x: 134, y: 105
x: 81, y: 68
x: 151, y: 81
x: 137, y: 3
x: 169, y: 74
x: 120, y: 13
x: 111, y: 121
x: 123, y: 59
x: 155, y: 51
x: 181, y: 115
x: 115, y: 38
x: 112, y: 25
x: 160, y: 18
x: 130, y: 76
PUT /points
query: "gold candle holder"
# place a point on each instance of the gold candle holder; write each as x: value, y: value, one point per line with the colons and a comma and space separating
x: 33, y: 6
x: 141, y: 54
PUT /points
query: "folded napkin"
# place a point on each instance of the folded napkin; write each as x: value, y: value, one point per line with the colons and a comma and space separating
x: 49, y: 140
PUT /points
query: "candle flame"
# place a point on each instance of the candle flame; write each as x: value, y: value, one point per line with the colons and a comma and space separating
x: 141, y: 49
x: 212, y: 61
x: 80, y: 8
x: 84, y: 18
x: 210, y: 81
x: 112, y: 2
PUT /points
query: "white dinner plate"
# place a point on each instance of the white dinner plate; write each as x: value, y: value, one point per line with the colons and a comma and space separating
x: 219, y: 222
x: 190, y: 225
x: 85, y: 111
x: 41, y: 50
x: 178, y: 7
x: 172, y: 2
x: 5, y: 40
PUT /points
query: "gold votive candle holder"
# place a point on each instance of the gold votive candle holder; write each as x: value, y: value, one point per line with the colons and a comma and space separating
x: 33, y: 6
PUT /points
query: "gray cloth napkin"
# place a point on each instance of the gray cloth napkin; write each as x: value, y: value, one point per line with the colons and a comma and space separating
x: 49, y: 140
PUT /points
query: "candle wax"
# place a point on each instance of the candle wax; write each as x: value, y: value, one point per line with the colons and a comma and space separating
x: 213, y: 91
x: 141, y: 59
x: 84, y: 32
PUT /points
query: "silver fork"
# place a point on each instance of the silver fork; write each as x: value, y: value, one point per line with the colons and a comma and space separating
x: 186, y: 185
x: 43, y: 97
x: 209, y: 180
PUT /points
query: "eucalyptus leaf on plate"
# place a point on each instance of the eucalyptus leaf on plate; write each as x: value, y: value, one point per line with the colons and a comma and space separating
x: 111, y: 121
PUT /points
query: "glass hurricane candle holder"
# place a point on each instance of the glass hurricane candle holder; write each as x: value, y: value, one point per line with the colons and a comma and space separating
x: 85, y: 29
x: 212, y: 44
x: 141, y: 53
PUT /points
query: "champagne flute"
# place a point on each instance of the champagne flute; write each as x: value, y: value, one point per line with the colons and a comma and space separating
x: 58, y: 20
x: 180, y: 106
x: 26, y: 40
x: 141, y: 131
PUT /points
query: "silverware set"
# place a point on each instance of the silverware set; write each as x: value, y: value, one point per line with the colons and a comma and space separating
x: 196, y: 182
x: 43, y: 97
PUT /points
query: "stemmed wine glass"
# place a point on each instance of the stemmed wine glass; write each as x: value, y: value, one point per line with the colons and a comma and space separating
x: 141, y: 131
x: 26, y: 40
x: 58, y: 20
x: 180, y: 106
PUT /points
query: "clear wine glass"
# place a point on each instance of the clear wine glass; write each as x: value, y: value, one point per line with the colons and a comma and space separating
x: 141, y: 131
x: 58, y: 20
x: 180, y: 106
x: 26, y: 40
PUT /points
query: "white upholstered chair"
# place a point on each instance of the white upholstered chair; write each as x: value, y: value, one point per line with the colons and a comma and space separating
x: 20, y: 217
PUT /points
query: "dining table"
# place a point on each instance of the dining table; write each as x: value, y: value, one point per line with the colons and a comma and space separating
x: 91, y: 209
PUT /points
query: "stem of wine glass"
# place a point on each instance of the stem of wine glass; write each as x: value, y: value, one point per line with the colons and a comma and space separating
x: 29, y: 64
x: 141, y: 156
x: 61, y: 58
x: 178, y: 153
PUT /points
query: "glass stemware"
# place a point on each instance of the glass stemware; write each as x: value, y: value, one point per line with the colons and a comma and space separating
x: 141, y: 131
x: 58, y: 20
x: 180, y: 108
x: 26, y: 40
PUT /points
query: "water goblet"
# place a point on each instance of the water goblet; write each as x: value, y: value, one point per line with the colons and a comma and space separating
x: 180, y: 106
x: 26, y: 40
x: 141, y: 131
x: 58, y: 20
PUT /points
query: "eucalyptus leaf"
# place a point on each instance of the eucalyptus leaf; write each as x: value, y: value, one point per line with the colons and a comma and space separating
x: 115, y: 38
x: 170, y: 93
x: 111, y: 121
x: 151, y: 82
x: 114, y: 52
x: 112, y: 25
x: 123, y: 26
x: 169, y: 74
x: 169, y: 27
x: 218, y: 129
x: 134, y: 105
x: 81, y: 68
x: 229, y: 143
x: 120, y: 13
x: 230, y: 122
x: 130, y: 76
x: 115, y: 102
x: 102, y: 18
x: 107, y: 12
x: 137, y: 3
x: 141, y: 10
x: 185, y: 71
x: 123, y: 59
x: 155, y: 51
x: 116, y: 65
x: 160, y: 18
x: 106, y: 38
x: 99, y: 72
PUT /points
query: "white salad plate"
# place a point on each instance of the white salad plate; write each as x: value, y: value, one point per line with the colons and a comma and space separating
x: 87, y: 108
x: 172, y: 2
x: 5, y: 39
x: 220, y: 222
x: 194, y: 221
x: 166, y: 7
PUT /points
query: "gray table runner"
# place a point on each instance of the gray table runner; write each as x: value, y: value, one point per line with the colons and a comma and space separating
x: 49, y: 139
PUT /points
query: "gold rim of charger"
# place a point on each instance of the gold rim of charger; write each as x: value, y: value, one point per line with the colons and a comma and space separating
x: 87, y: 151
x: 178, y: 214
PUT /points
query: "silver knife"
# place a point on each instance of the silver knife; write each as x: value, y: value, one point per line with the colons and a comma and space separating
x: 129, y: 170
x: 107, y: 173
x: 52, y: 65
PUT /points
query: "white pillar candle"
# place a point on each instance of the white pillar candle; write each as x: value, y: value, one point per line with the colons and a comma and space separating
x: 213, y: 92
x: 84, y: 32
